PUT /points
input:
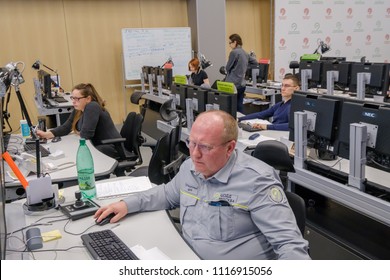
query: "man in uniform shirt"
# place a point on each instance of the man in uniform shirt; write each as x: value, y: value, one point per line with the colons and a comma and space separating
x: 232, y: 205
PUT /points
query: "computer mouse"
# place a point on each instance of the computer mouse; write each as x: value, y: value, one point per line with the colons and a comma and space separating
x: 56, y: 139
x: 106, y: 220
x: 254, y: 136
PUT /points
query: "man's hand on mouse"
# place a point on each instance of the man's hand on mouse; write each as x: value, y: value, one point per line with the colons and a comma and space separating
x: 260, y: 126
x: 119, y: 208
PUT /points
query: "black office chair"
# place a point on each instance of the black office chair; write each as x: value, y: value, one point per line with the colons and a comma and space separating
x: 165, y: 161
x: 275, y: 154
x: 128, y: 147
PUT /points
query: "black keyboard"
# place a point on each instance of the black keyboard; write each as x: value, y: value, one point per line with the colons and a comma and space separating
x: 30, y: 148
x: 106, y: 245
x: 59, y: 99
x: 247, y: 127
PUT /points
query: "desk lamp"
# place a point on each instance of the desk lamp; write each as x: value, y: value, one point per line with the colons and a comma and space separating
x: 204, y: 62
x: 168, y: 64
x: 37, y: 65
x: 324, y: 48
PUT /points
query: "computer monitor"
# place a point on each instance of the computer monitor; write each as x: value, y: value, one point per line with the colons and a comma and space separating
x: 333, y: 58
x: 223, y: 101
x: 151, y: 114
x: 343, y: 70
x: 44, y: 79
x: 376, y: 118
x: 199, y: 98
x: 146, y: 70
x: 379, y: 80
x: 167, y: 77
x: 322, y: 115
x: 262, y: 70
x: 180, y: 92
x: 316, y: 74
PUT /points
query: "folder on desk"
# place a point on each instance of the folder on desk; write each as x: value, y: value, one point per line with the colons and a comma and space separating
x: 122, y: 187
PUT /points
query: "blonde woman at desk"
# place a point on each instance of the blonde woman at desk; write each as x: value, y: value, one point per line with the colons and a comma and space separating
x: 89, y: 119
x: 280, y: 112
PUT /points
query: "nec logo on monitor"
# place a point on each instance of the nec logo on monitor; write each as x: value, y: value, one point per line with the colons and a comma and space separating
x: 369, y: 115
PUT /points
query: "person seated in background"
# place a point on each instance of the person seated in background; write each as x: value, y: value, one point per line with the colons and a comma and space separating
x: 280, y: 112
x: 232, y: 205
x: 89, y: 119
x: 198, y: 76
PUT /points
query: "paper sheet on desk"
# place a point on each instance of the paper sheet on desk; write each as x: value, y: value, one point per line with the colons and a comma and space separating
x: 122, y: 187
x: 151, y: 254
x: 251, y: 144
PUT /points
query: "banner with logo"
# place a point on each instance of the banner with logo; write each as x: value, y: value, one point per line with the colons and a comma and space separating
x: 352, y: 29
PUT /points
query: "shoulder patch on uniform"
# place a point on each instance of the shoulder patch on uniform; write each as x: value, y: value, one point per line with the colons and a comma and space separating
x: 275, y: 194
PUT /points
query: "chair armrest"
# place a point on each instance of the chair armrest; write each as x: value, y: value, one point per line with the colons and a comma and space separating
x: 113, y: 141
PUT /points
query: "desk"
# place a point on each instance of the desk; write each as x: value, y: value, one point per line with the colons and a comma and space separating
x: 104, y: 165
x: 148, y: 229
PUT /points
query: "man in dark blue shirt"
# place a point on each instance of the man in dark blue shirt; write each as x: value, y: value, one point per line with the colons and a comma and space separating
x: 280, y: 112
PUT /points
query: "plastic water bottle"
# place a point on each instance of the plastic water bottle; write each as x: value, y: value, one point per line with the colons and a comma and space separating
x: 85, y: 170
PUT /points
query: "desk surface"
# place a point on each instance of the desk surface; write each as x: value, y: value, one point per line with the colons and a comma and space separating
x: 148, y: 229
x: 104, y: 165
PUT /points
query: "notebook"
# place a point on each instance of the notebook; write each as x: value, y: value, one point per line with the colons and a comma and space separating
x: 122, y: 187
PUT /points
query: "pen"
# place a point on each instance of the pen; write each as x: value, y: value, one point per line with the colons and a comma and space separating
x: 219, y: 203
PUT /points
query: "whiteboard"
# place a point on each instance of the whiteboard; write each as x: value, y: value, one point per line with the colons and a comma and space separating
x: 153, y: 47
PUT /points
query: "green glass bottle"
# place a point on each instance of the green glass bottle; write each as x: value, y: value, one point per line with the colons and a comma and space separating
x: 85, y: 170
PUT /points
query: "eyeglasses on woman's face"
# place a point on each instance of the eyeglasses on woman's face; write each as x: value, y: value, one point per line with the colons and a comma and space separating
x: 73, y: 98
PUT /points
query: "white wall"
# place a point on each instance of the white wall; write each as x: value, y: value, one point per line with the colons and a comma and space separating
x: 353, y: 29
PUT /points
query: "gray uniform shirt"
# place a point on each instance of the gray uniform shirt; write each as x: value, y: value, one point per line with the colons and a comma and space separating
x: 258, y: 223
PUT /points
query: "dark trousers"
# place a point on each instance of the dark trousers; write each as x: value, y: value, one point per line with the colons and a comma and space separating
x: 240, y: 98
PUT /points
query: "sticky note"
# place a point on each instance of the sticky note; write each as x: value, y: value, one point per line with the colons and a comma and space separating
x: 51, y: 235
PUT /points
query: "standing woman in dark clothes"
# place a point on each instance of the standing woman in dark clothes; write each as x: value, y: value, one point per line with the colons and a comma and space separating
x: 89, y: 119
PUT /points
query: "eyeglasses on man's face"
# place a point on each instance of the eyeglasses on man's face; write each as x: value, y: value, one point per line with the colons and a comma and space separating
x: 73, y: 98
x: 287, y: 86
x: 203, y: 148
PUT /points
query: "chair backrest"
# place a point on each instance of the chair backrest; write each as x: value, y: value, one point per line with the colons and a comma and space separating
x: 131, y: 131
x: 297, y: 204
x: 166, y: 159
x: 274, y: 153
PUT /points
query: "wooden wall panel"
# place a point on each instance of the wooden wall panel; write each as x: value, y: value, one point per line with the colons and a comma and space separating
x: 82, y: 39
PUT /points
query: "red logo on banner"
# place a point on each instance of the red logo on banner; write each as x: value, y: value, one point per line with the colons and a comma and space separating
x: 306, y: 11
x: 282, y: 11
x: 305, y: 41
x: 387, y: 37
x: 348, y: 40
x: 369, y: 11
x: 368, y: 38
x: 328, y: 11
x: 282, y: 71
x: 282, y: 42
x: 349, y: 13
x: 327, y: 40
